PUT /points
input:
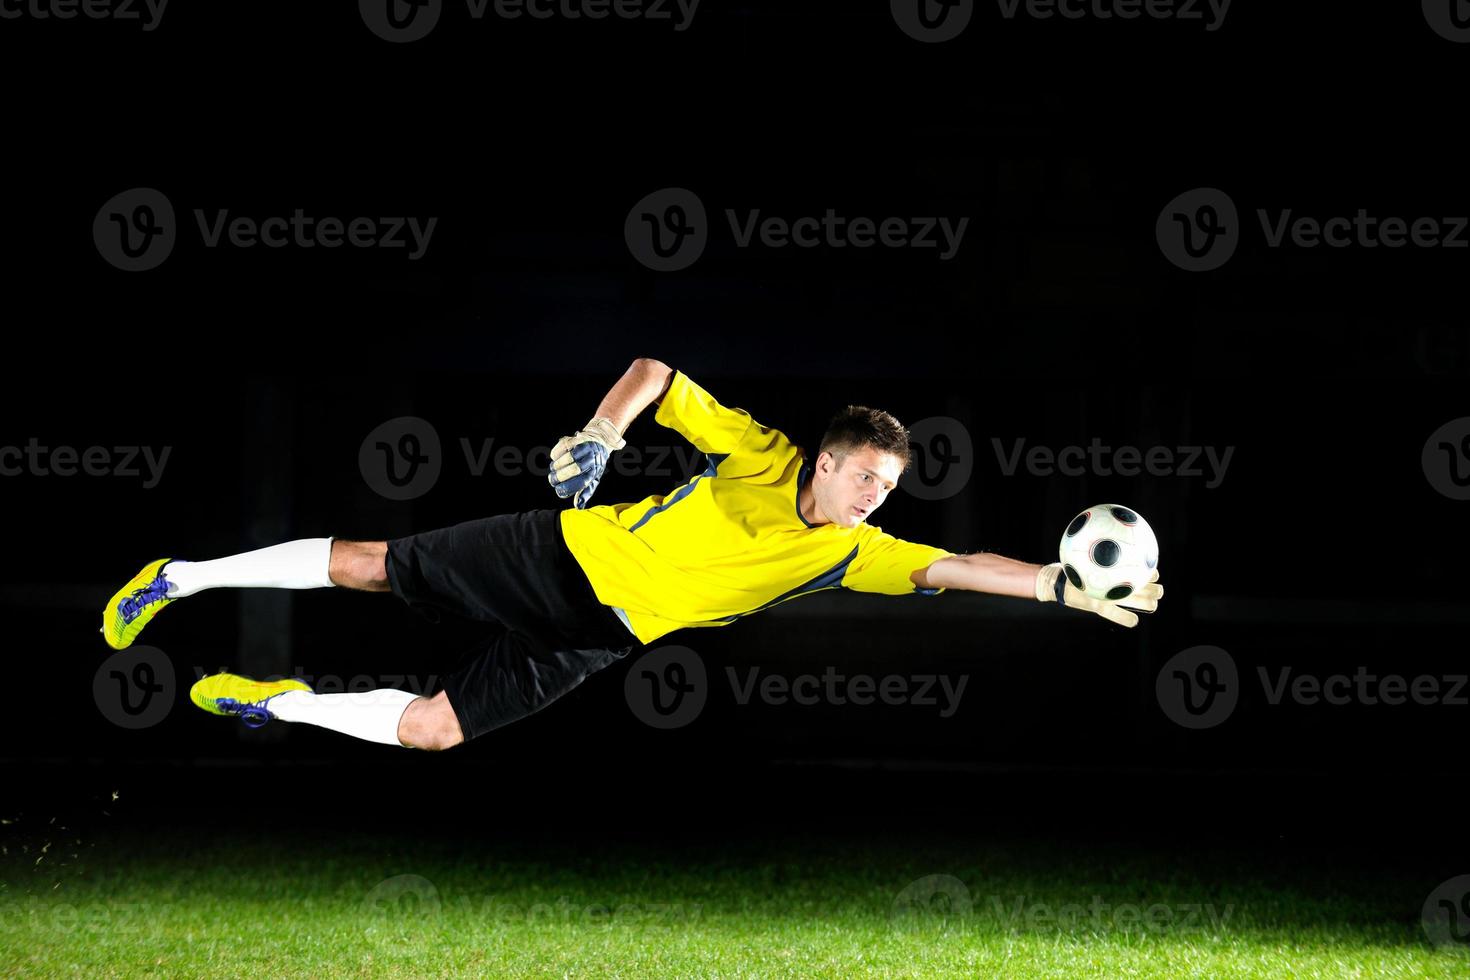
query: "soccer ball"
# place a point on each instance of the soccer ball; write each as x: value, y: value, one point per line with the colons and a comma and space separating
x: 1108, y: 551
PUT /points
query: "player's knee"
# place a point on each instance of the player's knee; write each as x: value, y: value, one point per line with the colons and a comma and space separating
x: 360, y: 564
x: 373, y: 564
x: 430, y: 723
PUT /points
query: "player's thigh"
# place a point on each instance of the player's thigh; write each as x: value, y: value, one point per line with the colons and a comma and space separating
x: 516, y: 674
x: 505, y: 569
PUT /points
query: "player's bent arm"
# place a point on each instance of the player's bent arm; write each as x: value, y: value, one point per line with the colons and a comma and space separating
x: 644, y: 383
x: 579, y: 460
x: 661, y: 371
x: 980, y: 573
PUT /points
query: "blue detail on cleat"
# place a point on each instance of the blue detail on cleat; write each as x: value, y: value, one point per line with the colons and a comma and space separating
x: 143, y: 598
x: 253, y: 715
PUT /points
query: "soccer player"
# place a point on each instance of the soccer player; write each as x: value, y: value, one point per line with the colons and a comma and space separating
x: 578, y: 588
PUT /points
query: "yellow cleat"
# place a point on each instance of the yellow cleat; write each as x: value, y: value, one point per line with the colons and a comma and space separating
x: 135, y: 604
x: 231, y: 694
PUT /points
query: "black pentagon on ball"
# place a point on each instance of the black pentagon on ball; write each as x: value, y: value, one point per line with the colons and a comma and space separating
x: 1151, y: 560
x: 1120, y: 592
x: 1073, y: 577
x: 1078, y: 523
x: 1106, y: 552
x: 1124, y: 515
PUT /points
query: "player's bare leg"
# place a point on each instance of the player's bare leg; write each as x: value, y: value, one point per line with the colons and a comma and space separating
x: 430, y: 723
x: 360, y: 565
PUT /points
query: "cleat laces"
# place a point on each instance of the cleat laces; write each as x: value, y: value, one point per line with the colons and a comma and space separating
x: 154, y: 591
x: 253, y: 714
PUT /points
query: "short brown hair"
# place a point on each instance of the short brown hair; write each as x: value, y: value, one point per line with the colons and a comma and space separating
x: 858, y: 427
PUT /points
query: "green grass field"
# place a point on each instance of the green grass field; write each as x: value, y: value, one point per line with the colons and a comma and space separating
x: 327, y: 905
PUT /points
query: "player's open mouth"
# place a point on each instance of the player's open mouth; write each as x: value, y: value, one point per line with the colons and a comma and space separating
x: 859, y: 511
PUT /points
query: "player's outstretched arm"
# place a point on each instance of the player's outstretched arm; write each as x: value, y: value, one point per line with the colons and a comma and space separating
x: 579, y: 460
x: 1006, y: 576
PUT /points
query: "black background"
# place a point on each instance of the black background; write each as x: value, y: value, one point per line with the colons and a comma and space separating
x: 1324, y: 548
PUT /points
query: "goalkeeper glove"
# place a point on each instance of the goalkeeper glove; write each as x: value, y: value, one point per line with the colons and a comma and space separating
x: 1052, y: 586
x: 578, y: 460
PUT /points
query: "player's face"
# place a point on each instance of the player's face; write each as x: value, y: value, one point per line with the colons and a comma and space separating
x: 859, y: 488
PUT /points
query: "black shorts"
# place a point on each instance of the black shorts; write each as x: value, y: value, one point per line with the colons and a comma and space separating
x: 513, y: 570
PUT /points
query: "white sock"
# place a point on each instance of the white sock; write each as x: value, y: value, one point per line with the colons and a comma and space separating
x: 370, y: 715
x: 294, y: 565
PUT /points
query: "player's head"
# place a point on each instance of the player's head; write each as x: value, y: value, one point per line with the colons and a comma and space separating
x: 861, y: 457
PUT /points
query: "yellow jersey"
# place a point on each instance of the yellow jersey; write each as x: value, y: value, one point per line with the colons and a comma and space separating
x: 731, y: 541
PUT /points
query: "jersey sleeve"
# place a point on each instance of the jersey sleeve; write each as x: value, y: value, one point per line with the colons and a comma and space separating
x: 693, y: 413
x: 885, y: 563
